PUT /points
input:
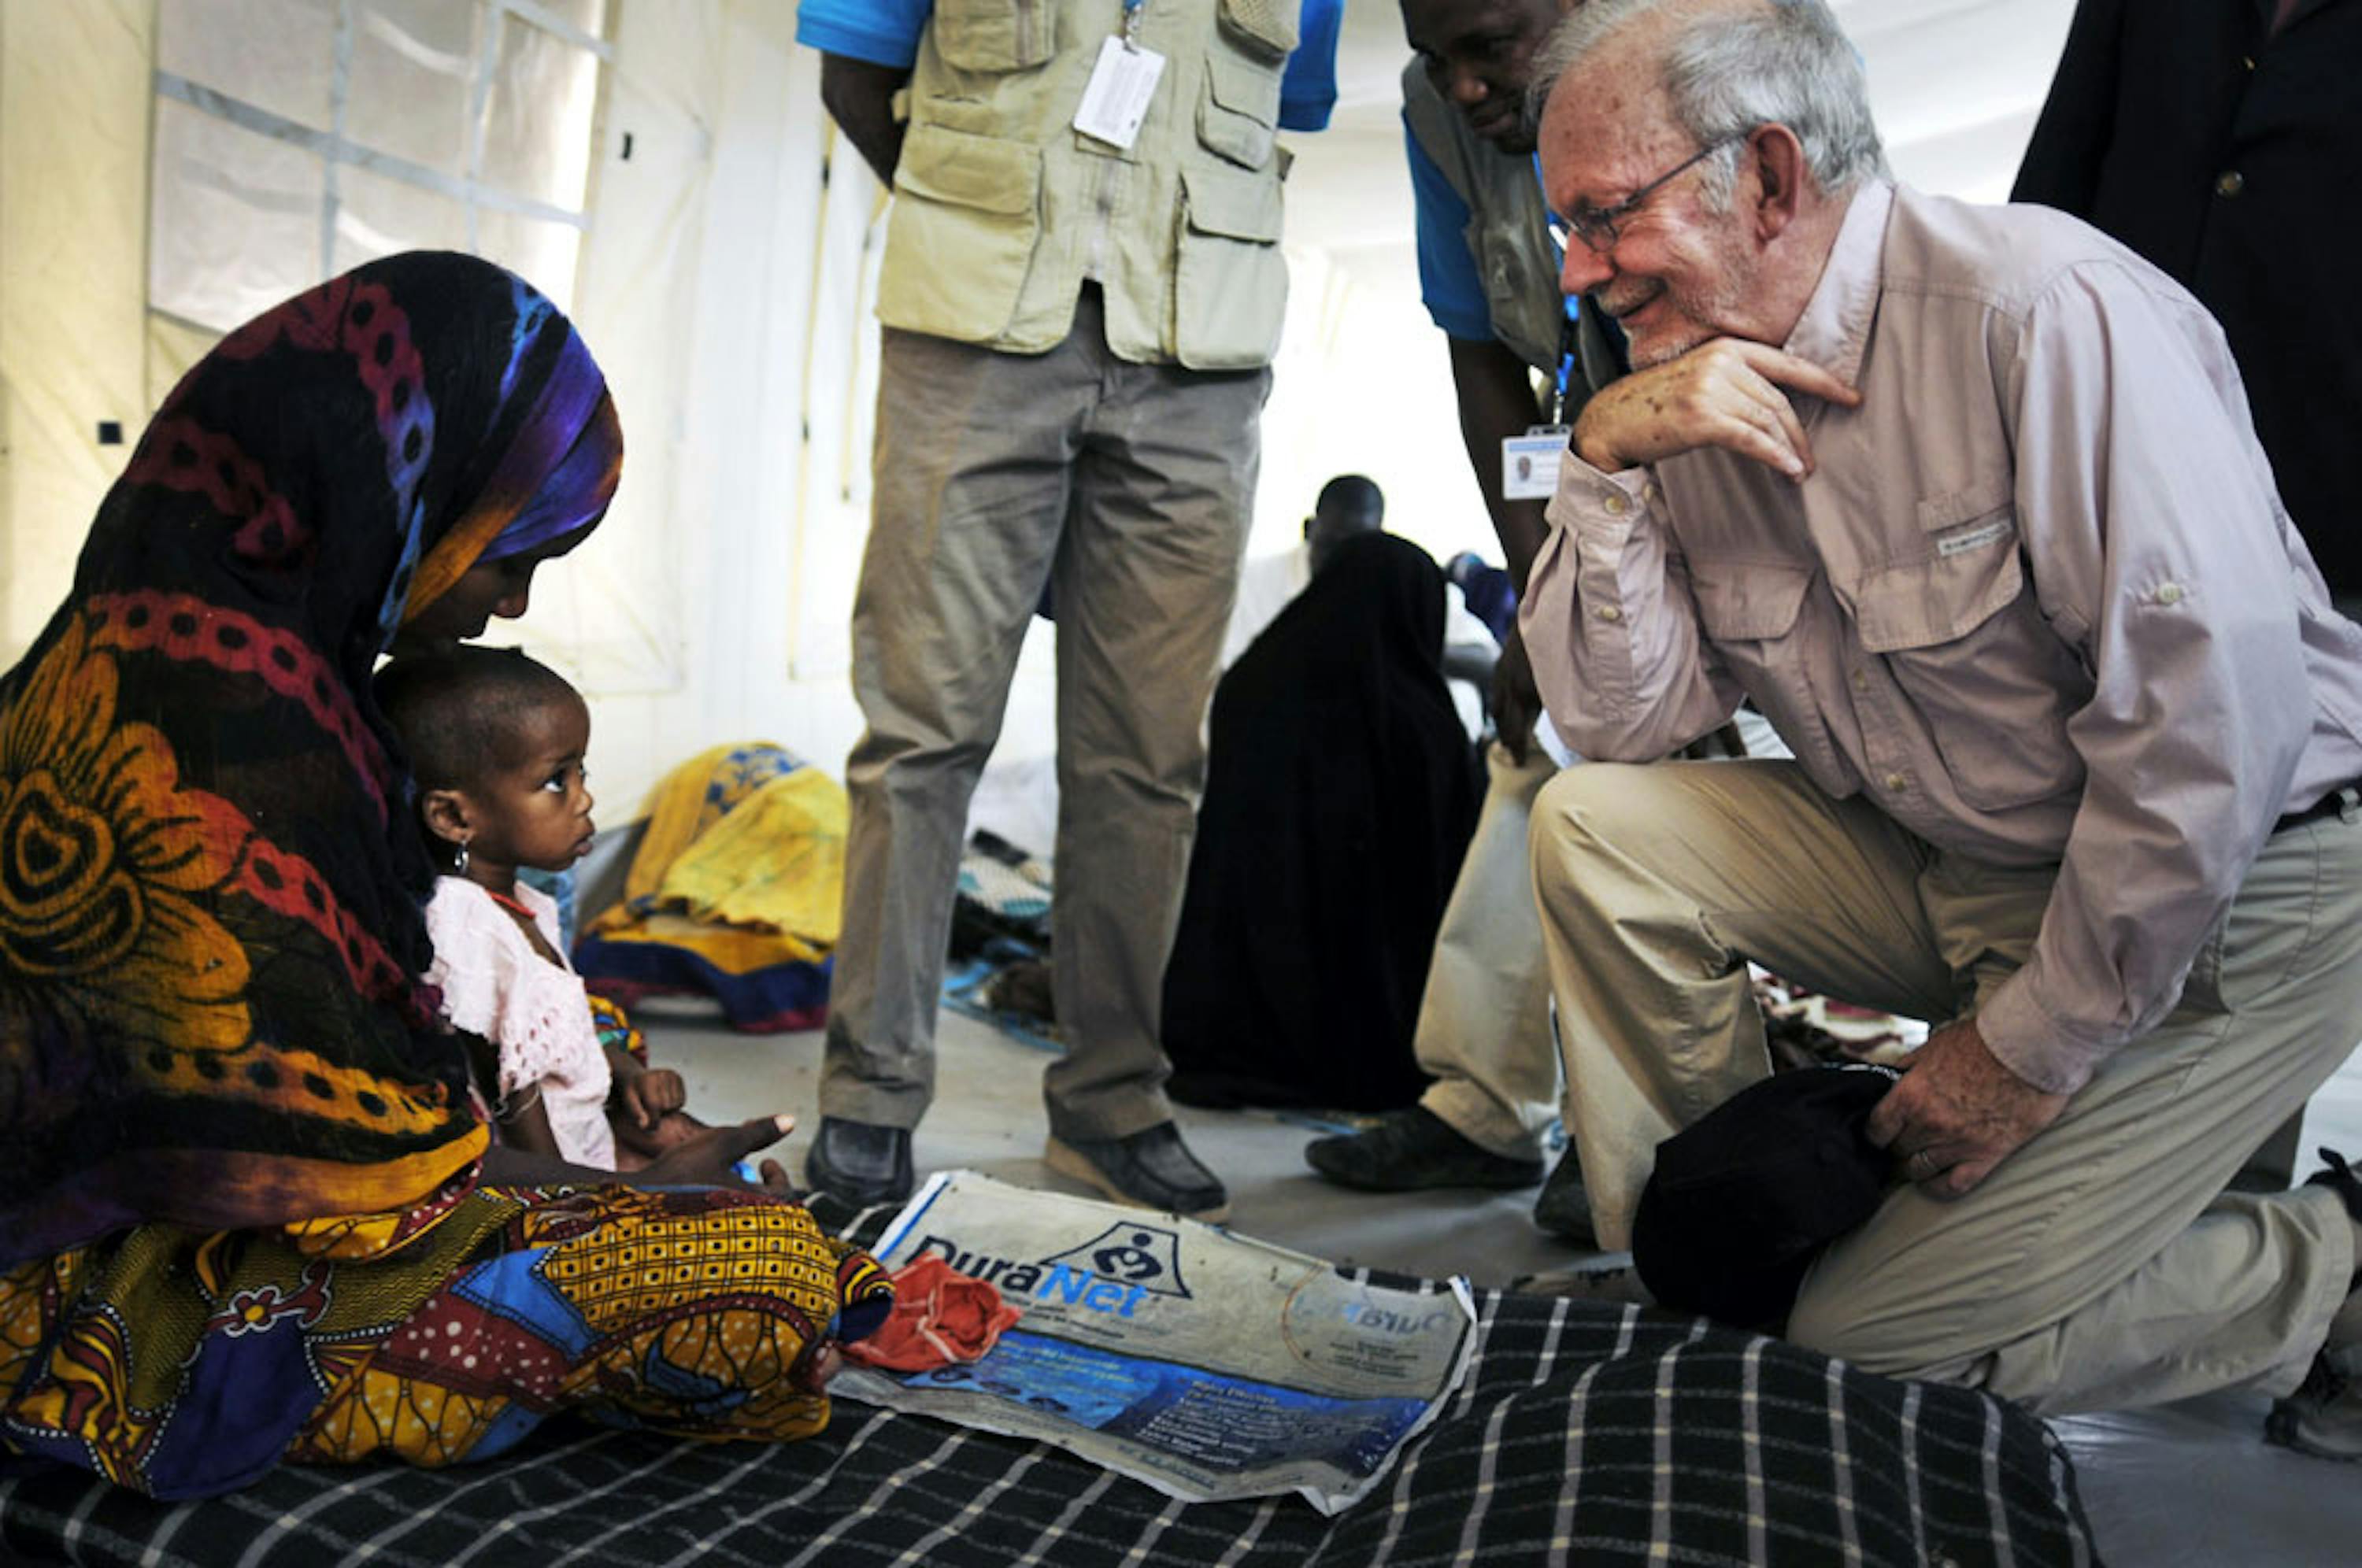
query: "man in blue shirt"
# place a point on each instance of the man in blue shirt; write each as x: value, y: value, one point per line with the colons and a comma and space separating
x: 1487, y: 259
x: 1488, y: 268
x: 1081, y: 289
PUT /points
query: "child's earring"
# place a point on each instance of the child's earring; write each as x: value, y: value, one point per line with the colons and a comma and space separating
x: 460, y: 859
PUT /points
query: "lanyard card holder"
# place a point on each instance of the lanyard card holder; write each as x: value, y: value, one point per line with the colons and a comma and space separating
x: 1530, y: 462
x: 1116, y: 99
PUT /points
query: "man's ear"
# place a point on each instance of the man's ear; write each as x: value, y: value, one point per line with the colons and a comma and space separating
x: 447, y: 815
x: 1310, y: 523
x: 1777, y: 159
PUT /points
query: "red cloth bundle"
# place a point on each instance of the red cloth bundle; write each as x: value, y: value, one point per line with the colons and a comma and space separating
x: 940, y: 1316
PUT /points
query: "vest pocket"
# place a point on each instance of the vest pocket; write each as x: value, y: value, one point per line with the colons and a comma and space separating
x: 1240, y: 111
x: 1520, y: 286
x: 966, y: 217
x: 1230, y: 288
x: 994, y: 34
x: 1264, y: 27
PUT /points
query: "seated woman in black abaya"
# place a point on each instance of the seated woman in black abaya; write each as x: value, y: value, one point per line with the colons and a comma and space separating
x: 1340, y: 797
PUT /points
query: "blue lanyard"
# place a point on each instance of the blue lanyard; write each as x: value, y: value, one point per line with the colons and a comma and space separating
x: 1567, y: 316
x: 1565, y: 369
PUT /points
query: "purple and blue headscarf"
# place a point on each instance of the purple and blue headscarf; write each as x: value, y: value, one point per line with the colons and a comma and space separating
x: 559, y: 475
x: 209, y: 927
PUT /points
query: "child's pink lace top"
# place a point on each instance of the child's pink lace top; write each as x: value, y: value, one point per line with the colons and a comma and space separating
x: 535, y: 1011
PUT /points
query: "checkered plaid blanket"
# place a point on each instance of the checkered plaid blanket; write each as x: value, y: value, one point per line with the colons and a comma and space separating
x: 1585, y: 1433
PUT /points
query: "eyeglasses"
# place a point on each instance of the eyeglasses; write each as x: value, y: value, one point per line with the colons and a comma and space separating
x: 1595, y: 227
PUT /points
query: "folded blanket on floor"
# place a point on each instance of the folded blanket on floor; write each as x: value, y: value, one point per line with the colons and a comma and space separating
x: 733, y: 893
x: 1585, y: 1433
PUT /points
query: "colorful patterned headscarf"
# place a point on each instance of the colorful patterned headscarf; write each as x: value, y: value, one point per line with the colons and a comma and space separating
x: 209, y: 927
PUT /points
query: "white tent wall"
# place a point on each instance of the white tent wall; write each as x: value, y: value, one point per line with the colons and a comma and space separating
x: 695, y: 271
x: 697, y: 287
x: 75, y: 92
x: 726, y: 285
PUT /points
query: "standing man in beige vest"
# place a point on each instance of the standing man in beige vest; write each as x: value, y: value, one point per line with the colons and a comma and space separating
x: 1082, y: 290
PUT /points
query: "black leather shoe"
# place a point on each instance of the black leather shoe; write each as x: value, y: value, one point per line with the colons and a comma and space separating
x: 2324, y: 1416
x: 859, y: 1164
x: 1410, y: 1151
x: 1565, y: 1207
x: 2340, y: 1176
x: 1151, y: 1169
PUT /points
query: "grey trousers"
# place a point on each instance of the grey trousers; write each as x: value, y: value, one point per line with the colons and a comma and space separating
x: 2102, y: 1265
x: 1127, y: 490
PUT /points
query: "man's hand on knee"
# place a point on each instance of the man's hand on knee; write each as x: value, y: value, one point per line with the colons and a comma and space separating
x: 1959, y: 1113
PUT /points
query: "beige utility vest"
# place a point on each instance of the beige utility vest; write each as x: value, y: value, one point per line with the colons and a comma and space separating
x: 1002, y: 209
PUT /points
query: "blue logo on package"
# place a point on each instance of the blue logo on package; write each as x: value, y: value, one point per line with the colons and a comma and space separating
x: 1143, y: 1255
x: 1113, y: 1272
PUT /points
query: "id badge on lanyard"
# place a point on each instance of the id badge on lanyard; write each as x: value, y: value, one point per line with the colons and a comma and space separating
x: 1530, y: 462
x: 1116, y: 99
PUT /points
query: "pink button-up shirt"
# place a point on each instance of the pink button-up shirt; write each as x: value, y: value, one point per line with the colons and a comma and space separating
x: 2038, y: 600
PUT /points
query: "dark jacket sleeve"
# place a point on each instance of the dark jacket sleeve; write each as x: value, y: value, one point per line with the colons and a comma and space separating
x: 2062, y: 162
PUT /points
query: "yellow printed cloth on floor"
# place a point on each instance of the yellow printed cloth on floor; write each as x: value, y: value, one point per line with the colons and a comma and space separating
x: 734, y: 892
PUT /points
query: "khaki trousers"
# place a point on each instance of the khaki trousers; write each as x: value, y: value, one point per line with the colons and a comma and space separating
x: 2102, y: 1265
x: 1484, y: 1021
x: 1127, y: 490
x: 1484, y: 1029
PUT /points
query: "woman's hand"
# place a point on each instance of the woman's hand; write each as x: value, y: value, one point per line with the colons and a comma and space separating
x: 821, y: 1369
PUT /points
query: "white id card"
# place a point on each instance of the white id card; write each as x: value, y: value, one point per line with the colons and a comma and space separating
x: 1116, y: 98
x: 1530, y: 462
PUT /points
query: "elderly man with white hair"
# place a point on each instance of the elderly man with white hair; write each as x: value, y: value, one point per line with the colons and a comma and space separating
x: 1968, y: 502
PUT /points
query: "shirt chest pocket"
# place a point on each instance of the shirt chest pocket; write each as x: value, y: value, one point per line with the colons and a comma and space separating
x: 1520, y: 281
x: 1748, y: 609
x: 1973, y: 659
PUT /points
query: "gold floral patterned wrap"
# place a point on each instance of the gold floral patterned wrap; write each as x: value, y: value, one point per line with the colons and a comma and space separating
x: 209, y: 884
x: 184, y: 1364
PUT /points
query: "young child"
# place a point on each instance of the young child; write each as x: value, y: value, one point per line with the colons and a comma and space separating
x: 496, y: 742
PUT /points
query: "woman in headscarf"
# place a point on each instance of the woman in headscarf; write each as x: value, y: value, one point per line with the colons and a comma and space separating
x: 1340, y: 792
x: 250, y: 1213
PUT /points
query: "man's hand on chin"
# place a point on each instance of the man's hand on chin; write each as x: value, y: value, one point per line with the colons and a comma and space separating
x: 1725, y: 393
x: 1959, y: 1113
